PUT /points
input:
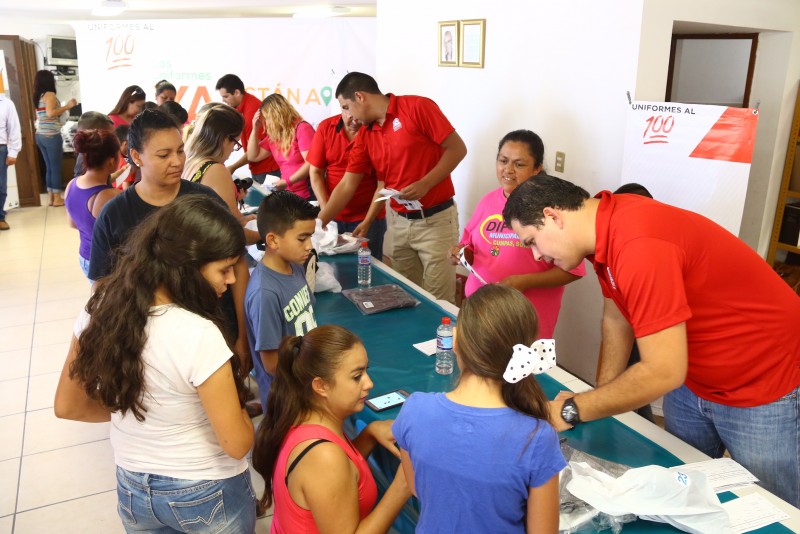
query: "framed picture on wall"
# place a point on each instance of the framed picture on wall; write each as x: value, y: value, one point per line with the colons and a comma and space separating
x: 448, y: 43
x: 473, y: 42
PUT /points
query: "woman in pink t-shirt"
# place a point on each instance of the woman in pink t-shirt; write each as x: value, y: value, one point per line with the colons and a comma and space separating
x: 497, y: 253
x: 317, y: 478
x: 288, y: 139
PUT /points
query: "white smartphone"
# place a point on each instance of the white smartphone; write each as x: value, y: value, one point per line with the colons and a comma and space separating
x: 387, y: 401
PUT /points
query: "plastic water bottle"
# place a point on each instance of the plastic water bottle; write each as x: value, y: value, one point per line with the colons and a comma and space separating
x: 364, y: 266
x: 445, y: 358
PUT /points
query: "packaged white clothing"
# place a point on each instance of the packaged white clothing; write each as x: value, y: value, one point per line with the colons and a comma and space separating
x: 684, y: 500
x: 328, y: 242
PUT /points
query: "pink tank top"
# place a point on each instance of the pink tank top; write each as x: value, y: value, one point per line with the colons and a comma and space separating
x: 288, y: 518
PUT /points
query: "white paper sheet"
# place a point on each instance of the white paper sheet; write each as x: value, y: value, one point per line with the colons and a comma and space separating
x: 387, y: 193
x: 724, y: 474
x: 752, y: 512
x: 428, y: 348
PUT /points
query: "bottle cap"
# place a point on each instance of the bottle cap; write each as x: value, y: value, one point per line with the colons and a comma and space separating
x: 445, y: 320
x: 364, y: 244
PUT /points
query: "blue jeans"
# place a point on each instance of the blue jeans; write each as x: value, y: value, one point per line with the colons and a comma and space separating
x: 52, y: 152
x: 160, y: 504
x: 3, y: 181
x: 764, y: 439
x: 84, y: 263
x: 375, y: 235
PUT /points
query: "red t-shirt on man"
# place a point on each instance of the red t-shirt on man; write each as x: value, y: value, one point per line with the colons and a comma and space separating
x: 330, y: 150
x: 663, y: 265
x: 249, y: 107
x: 405, y: 148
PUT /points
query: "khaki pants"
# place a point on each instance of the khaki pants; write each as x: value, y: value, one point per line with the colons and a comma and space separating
x: 418, y: 249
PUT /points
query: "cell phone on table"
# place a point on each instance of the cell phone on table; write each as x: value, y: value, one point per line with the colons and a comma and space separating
x: 388, y: 400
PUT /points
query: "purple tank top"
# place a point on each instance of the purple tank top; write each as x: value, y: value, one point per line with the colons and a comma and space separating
x: 76, y: 204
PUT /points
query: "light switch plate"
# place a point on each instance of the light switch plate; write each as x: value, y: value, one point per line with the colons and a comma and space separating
x: 560, y: 157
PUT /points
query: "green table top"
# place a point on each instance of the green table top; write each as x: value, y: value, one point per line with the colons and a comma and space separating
x: 395, y: 364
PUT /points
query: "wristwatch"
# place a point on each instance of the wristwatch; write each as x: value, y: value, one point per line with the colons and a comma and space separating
x: 569, y: 412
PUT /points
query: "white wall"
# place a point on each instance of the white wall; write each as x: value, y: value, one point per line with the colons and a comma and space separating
x: 774, y: 84
x: 35, y: 31
x: 38, y: 33
x: 560, y: 69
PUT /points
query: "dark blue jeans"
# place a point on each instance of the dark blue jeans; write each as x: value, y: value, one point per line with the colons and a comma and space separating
x: 764, y: 439
x: 375, y: 235
x: 52, y: 152
x: 160, y: 504
x: 3, y: 181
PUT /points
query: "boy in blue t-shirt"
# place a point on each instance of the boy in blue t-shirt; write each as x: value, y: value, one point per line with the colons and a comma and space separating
x: 278, y: 301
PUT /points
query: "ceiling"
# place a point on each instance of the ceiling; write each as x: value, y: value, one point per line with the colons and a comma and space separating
x: 59, y: 11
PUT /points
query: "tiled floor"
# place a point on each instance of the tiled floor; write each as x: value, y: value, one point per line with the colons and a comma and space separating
x: 55, y: 476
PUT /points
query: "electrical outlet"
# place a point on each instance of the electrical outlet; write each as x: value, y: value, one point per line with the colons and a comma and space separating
x: 560, y: 157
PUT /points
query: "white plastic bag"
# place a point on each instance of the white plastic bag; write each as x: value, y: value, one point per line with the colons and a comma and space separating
x: 328, y: 242
x: 684, y: 500
x: 326, y: 281
x: 253, y: 249
x: 324, y: 238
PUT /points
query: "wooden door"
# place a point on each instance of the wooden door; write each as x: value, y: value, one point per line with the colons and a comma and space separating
x: 21, y: 68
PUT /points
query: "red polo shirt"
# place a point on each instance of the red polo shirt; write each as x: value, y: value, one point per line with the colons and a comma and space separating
x: 663, y: 265
x: 406, y: 147
x: 330, y: 151
x: 249, y: 107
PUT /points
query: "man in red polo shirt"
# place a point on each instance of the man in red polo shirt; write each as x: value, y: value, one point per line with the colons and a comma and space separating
x: 328, y: 156
x: 716, y: 327
x: 413, y: 148
x: 231, y: 89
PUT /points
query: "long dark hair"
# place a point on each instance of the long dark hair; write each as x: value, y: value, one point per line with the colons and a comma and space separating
x: 491, y: 321
x: 44, y: 82
x: 301, y: 359
x: 165, y: 251
x: 132, y: 93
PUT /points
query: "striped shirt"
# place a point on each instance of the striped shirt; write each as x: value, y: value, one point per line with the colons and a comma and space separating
x: 47, y: 125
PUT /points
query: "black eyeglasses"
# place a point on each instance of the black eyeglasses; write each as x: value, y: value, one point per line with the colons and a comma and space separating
x: 137, y: 91
x: 236, y: 144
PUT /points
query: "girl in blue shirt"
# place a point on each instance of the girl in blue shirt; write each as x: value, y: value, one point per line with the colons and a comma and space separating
x: 483, y: 457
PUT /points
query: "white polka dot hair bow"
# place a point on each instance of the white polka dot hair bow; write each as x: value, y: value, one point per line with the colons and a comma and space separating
x: 535, y: 359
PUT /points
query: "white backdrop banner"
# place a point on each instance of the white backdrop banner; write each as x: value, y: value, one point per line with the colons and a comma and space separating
x: 692, y: 156
x: 303, y: 59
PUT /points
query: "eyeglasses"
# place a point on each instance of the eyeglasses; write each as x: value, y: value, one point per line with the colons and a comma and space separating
x: 236, y: 144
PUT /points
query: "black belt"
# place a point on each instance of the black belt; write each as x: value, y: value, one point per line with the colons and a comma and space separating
x: 426, y: 212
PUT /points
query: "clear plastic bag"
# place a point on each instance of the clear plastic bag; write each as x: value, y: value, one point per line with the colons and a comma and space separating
x: 380, y: 298
x: 684, y: 500
x: 577, y: 516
